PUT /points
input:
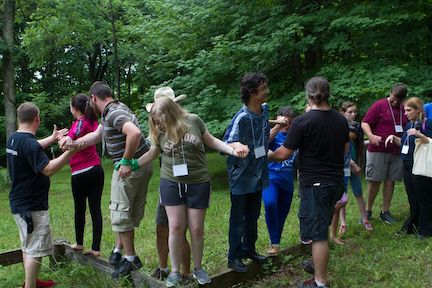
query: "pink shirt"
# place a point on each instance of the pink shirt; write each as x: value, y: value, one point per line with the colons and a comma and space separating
x: 382, y: 123
x: 87, y: 157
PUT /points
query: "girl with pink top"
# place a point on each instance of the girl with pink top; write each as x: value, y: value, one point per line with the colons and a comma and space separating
x: 87, y: 174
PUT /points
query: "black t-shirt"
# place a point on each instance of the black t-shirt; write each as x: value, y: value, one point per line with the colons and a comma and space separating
x: 26, y: 159
x: 320, y: 136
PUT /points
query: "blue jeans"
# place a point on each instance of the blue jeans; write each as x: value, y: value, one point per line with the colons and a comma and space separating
x: 243, y: 230
x: 356, y: 184
x: 277, y: 199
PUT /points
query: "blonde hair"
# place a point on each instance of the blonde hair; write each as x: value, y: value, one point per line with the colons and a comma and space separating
x: 415, y: 103
x: 173, y: 117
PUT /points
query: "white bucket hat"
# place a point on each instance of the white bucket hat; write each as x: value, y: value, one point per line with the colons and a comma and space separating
x: 165, y: 92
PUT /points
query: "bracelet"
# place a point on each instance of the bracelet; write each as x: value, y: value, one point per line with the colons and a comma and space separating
x: 125, y: 162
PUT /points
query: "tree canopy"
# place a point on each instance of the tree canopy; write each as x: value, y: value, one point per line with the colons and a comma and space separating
x: 202, y: 48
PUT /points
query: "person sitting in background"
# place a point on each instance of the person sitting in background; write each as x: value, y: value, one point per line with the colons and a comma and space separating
x: 278, y: 195
x: 29, y: 170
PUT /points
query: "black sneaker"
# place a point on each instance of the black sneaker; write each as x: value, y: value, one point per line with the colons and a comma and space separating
x: 308, y: 266
x: 115, y: 258
x: 369, y: 214
x: 125, y: 267
x: 160, y: 274
x: 386, y: 217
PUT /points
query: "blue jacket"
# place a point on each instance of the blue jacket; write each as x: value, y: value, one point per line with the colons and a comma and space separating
x: 248, y: 175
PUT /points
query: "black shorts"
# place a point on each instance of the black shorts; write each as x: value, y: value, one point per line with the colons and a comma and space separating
x: 195, y: 196
x: 316, y: 209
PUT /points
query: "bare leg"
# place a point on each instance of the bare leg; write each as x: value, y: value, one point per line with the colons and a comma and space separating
x: 342, y: 216
x: 177, y: 226
x: 334, y: 225
x: 196, y: 227
x: 373, y: 188
x: 162, y: 233
x: 31, y: 267
x: 320, y: 256
x: 362, y: 207
x: 186, y: 257
x: 387, y: 194
x: 127, y: 240
x: 118, y: 243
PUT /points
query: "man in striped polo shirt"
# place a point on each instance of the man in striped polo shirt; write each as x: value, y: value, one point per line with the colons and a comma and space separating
x: 124, y: 142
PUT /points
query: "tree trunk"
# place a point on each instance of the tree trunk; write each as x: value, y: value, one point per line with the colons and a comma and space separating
x: 115, y: 50
x: 8, y: 67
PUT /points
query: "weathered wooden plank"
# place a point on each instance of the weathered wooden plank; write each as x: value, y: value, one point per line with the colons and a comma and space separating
x: 143, y: 280
x: 98, y: 263
x: 11, y: 257
x: 230, y: 277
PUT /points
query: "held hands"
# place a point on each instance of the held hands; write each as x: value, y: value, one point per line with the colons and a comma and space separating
x: 412, y: 132
x: 66, y: 143
x: 355, y: 168
x: 126, y: 166
x: 239, y: 149
x: 58, y: 134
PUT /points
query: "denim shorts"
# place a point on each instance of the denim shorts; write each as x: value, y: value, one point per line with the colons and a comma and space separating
x: 316, y: 209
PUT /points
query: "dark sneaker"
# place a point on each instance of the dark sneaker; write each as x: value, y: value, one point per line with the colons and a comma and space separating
x: 125, y: 267
x: 386, y: 217
x: 201, y: 276
x: 160, y: 274
x: 308, y: 266
x: 258, y: 258
x: 311, y: 284
x: 115, y: 258
x: 369, y: 214
x: 237, y: 265
x: 174, y: 279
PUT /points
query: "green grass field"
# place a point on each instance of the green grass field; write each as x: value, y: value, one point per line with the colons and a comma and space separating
x: 376, y: 260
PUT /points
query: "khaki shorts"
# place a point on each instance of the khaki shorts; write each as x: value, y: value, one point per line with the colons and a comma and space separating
x: 382, y: 166
x: 128, y: 199
x: 39, y: 242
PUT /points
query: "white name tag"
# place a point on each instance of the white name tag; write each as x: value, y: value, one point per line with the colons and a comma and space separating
x: 398, y: 128
x: 347, y: 172
x: 259, y: 152
x: 405, y: 149
x: 180, y: 170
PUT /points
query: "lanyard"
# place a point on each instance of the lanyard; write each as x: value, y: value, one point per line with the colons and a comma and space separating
x: 183, y: 154
x: 253, y: 132
x: 391, y: 111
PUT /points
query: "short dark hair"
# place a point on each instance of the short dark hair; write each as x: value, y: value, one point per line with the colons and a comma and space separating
x: 27, y: 112
x: 286, y: 111
x: 101, y: 90
x: 249, y: 84
x: 318, y: 90
x: 81, y: 102
x: 399, y: 90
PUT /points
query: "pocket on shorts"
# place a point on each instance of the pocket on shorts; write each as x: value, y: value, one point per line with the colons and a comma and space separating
x: 120, y: 212
x: 42, y: 240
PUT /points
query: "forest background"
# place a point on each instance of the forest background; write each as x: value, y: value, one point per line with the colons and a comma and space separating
x: 202, y: 48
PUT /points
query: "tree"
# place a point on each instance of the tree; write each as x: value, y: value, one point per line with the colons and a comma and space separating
x: 8, y: 67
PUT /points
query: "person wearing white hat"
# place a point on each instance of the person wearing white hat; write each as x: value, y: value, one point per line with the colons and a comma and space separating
x: 165, y: 92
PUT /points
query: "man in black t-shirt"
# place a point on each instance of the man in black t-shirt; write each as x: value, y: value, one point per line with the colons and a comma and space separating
x: 321, y: 136
x: 29, y: 169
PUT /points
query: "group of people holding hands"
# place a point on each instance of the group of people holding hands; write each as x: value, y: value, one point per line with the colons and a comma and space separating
x: 327, y: 146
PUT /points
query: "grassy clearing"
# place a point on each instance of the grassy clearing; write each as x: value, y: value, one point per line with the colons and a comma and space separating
x: 376, y: 260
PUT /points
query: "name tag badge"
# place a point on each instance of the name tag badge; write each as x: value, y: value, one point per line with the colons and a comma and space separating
x: 347, y: 172
x: 259, y: 152
x: 398, y: 128
x: 180, y: 170
x: 405, y: 149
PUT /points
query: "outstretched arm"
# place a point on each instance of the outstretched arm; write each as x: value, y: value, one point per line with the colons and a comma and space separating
x: 236, y: 149
x: 280, y: 154
x: 55, y: 136
x: 149, y: 156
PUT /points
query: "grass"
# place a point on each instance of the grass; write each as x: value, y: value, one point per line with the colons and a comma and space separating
x: 375, y: 260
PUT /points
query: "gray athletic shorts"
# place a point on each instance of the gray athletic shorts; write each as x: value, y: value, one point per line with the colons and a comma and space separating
x: 382, y: 166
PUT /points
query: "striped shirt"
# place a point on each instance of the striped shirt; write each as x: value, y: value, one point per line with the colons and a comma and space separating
x: 115, y: 115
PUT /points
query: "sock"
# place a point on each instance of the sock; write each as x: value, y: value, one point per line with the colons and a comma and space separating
x: 116, y: 250
x: 130, y: 258
x: 319, y: 284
